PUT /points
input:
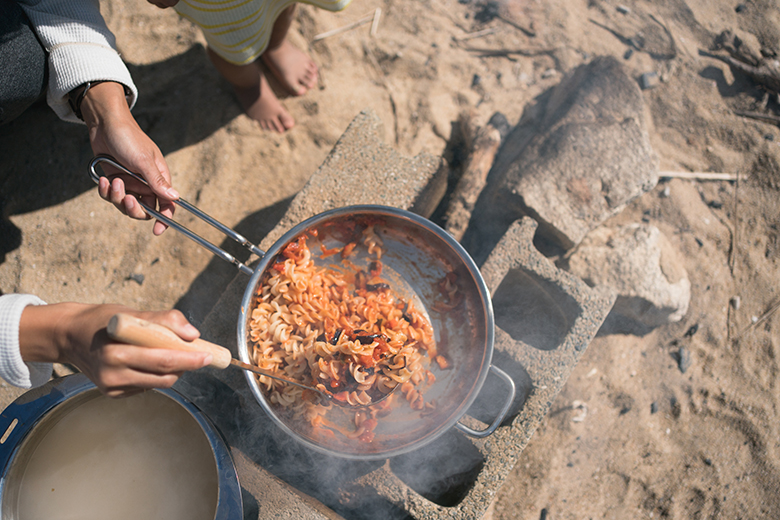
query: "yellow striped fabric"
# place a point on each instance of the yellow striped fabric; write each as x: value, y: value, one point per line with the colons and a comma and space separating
x: 239, y: 30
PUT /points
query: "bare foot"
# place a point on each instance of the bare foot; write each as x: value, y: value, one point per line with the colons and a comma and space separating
x: 292, y: 67
x: 261, y: 104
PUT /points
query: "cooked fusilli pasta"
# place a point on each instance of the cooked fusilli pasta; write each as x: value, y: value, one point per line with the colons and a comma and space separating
x: 342, y: 330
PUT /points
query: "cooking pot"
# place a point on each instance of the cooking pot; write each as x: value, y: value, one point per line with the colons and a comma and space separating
x: 416, y: 255
x: 66, y: 449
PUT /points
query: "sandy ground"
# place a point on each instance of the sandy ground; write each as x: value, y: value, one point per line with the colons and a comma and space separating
x: 631, y: 435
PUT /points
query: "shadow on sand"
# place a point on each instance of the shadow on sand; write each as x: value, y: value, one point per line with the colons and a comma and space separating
x: 171, y: 109
x: 208, y: 286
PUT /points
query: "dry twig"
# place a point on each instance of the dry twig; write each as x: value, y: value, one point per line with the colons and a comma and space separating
x: 373, y: 18
x: 375, y: 21
x: 760, y: 320
x: 700, y: 176
x: 763, y: 74
x: 669, y: 35
x: 488, y: 53
x: 767, y: 118
x: 483, y: 144
x: 524, y: 30
x: 477, y: 34
x: 735, y: 234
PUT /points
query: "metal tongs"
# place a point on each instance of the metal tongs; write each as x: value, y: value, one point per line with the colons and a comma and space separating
x: 179, y: 227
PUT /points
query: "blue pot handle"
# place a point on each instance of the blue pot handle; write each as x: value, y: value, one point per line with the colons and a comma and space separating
x: 28, y: 408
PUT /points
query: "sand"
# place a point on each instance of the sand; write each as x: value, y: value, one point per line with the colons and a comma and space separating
x: 631, y: 435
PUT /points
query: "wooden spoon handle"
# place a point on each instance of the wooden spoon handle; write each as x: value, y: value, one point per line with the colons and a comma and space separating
x: 129, y: 329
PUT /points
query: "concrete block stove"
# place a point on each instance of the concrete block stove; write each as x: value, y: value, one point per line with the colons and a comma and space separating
x: 545, y: 319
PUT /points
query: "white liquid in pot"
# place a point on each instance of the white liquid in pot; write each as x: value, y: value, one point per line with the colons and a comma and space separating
x: 143, y: 457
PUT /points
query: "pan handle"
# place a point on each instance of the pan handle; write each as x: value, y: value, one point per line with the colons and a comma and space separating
x: 179, y: 227
x: 490, y: 429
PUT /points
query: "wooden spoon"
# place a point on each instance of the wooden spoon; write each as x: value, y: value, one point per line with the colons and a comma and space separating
x: 129, y: 329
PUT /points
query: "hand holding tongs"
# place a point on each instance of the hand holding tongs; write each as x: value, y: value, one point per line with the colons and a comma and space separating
x: 179, y: 227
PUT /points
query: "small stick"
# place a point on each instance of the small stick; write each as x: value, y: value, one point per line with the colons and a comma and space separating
x: 524, y: 30
x: 483, y: 145
x: 478, y: 34
x: 735, y: 235
x: 490, y: 53
x: 701, y: 176
x: 671, y: 39
x: 375, y: 22
x: 346, y: 28
x: 762, y: 319
x: 767, y: 118
x: 763, y: 74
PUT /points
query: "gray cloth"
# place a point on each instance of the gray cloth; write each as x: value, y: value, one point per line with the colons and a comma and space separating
x: 22, y: 62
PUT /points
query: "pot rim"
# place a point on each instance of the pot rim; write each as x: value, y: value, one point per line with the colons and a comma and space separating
x: 33, y: 406
x: 462, y: 254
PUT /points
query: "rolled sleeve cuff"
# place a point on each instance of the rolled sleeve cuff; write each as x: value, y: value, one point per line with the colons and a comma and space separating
x: 12, y: 367
x: 73, y: 64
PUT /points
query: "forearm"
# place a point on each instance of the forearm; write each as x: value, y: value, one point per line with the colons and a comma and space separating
x: 43, y: 332
x: 32, y: 337
x: 105, y: 104
x: 80, y: 49
x: 113, y: 131
x: 75, y: 333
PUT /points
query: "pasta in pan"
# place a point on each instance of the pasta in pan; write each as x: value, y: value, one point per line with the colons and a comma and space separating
x: 341, y: 329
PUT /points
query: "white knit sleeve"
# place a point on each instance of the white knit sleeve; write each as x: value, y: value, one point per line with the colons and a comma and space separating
x: 80, y: 47
x: 12, y: 368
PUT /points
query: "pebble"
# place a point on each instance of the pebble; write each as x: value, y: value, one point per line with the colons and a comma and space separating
x: 691, y: 331
x: 623, y: 9
x: 666, y: 192
x: 500, y: 123
x: 648, y: 80
x: 549, y: 73
x: 740, y: 8
x: 736, y: 301
x: 628, y: 54
x: 653, y: 407
x: 684, y: 359
x: 524, y: 78
x: 137, y: 278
